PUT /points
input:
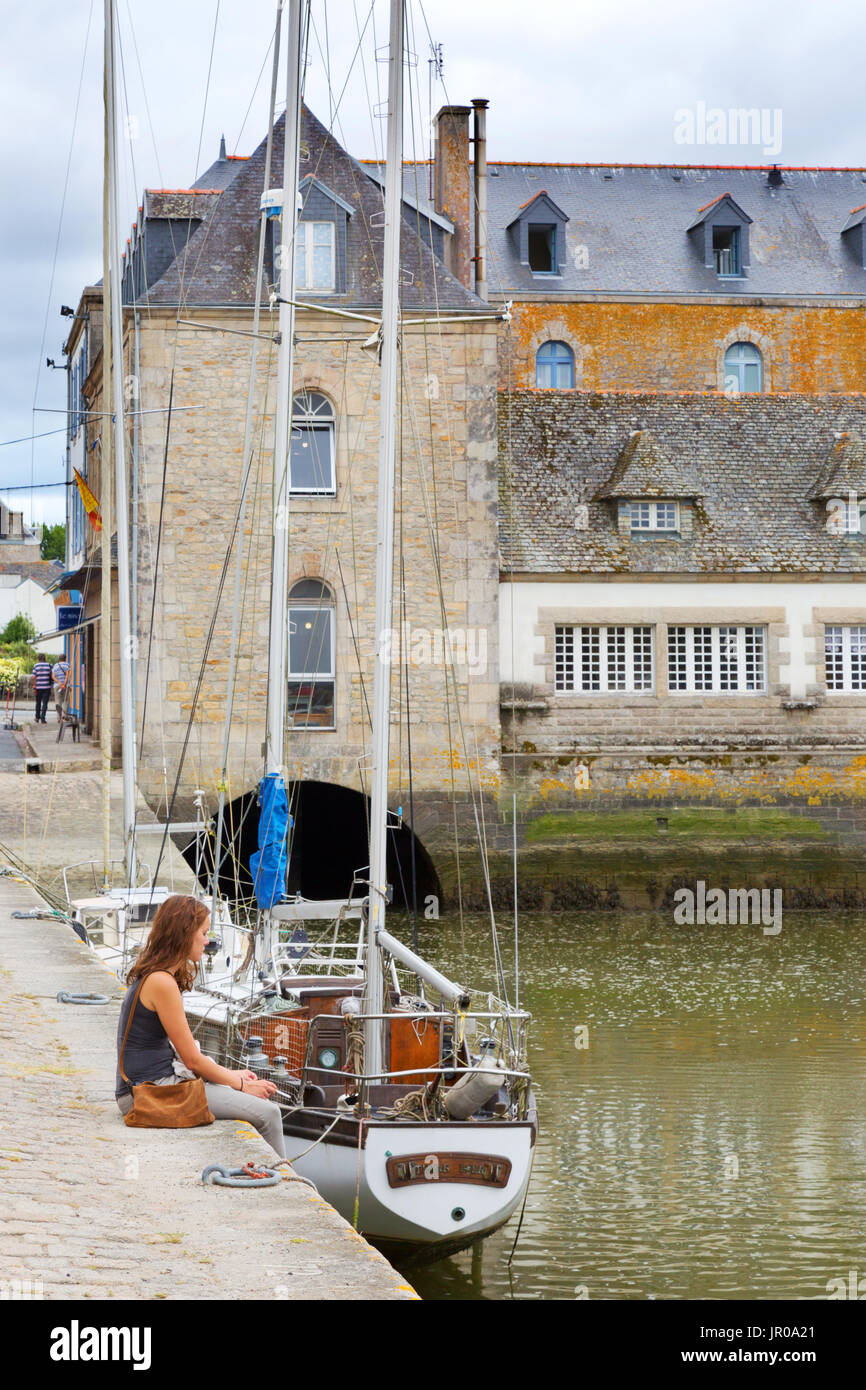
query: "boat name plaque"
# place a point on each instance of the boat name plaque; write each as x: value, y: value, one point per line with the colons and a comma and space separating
x: 488, y: 1170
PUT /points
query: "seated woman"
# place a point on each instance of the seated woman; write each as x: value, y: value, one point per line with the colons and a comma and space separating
x: 159, y: 1027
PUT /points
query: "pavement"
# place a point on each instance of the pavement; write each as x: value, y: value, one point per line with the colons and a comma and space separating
x: 50, y: 821
x: 94, y: 1210
x: 10, y: 750
x: 42, y: 752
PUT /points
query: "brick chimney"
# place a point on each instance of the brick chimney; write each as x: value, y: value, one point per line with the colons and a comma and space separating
x: 452, y: 187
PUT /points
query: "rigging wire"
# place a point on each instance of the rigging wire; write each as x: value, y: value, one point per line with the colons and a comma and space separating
x: 247, y: 445
x: 59, y: 231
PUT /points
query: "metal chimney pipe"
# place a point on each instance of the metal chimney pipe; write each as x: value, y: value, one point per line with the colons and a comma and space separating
x: 479, y: 123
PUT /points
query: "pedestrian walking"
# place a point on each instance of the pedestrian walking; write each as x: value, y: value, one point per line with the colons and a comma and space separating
x: 60, y: 677
x: 42, y: 681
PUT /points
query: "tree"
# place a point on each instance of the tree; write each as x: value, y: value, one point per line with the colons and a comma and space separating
x: 18, y: 629
x: 54, y: 542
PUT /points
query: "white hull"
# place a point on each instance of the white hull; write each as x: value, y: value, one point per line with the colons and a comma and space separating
x: 423, y: 1213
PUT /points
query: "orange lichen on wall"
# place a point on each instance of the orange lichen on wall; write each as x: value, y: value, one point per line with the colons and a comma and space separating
x: 681, y: 347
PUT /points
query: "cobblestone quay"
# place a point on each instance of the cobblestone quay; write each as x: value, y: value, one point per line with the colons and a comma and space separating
x: 91, y: 1209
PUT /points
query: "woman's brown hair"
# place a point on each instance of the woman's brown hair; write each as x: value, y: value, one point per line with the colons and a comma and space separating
x: 170, y: 940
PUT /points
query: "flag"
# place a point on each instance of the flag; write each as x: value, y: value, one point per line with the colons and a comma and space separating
x: 91, y: 506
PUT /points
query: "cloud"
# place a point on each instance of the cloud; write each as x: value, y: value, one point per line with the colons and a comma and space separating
x: 565, y: 82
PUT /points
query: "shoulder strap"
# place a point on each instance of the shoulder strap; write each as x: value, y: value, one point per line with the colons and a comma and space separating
x: 126, y: 1034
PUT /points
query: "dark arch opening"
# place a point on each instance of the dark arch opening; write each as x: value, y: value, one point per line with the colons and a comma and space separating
x: 329, y: 846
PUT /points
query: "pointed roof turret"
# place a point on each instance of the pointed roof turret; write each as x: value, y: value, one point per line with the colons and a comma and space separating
x: 844, y: 469
x: 642, y: 470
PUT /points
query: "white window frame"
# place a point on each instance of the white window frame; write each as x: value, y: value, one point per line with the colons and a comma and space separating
x: 652, y: 515
x: 715, y: 659
x: 844, y: 667
x: 586, y: 656
x: 317, y: 606
x: 305, y: 254
x: 304, y: 418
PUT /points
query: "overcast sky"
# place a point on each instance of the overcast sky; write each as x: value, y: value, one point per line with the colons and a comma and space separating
x: 566, y: 81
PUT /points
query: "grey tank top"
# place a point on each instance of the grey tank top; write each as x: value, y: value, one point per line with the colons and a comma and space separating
x: 148, y: 1054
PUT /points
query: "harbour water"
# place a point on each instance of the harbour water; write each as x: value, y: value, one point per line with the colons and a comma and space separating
x: 709, y: 1140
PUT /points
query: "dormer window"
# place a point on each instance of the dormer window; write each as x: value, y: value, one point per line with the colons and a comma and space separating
x: 853, y: 237
x: 653, y: 516
x: 650, y: 494
x: 720, y: 232
x: 538, y: 235
x: 726, y: 250
x: 315, y: 267
x: 541, y: 239
x: 322, y: 231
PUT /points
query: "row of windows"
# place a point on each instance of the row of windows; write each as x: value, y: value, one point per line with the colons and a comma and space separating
x: 707, y: 660
x: 554, y: 367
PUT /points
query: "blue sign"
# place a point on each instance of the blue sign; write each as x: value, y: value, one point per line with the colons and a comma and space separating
x: 68, y: 616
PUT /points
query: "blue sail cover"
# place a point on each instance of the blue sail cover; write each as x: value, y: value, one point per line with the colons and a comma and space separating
x: 270, y: 865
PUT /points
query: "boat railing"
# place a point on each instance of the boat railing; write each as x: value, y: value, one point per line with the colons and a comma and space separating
x: 509, y: 1072
x: 517, y: 1019
x: 94, y: 864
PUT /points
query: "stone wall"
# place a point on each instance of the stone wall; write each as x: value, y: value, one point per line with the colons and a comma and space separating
x: 448, y: 488
x: 681, y: 347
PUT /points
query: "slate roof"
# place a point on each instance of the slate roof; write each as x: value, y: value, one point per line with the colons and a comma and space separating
x: 223, y: 169
x: 642, y: 470
x: 42, y: 572
x: 633, y: 220
x: 219, y: 264
x: 757, y: 460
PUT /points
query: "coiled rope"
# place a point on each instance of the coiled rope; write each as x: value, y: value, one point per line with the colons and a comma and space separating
x: 247, y: 1176
x: 65, y: 997
x: 251, y: 1176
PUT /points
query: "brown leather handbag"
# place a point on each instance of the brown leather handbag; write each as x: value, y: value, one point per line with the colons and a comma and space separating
x: 181, y: 1106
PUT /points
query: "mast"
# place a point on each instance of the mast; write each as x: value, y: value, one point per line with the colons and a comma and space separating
x: 247, y: 466
x: 268, y: 865
x: 105, y: 476
x: 278, y: 647
x: 125, y: 636
x: 373, y: 1029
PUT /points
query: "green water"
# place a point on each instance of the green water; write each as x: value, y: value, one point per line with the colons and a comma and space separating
x: 710, y: 1142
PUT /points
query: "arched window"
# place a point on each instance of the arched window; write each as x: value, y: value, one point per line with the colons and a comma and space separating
x: 743, y: 368
x: 311, y: 655
x: 554, y: 366
x: 311, y: 459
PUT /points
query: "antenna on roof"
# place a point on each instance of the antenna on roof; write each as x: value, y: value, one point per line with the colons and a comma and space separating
x: 435, y: 64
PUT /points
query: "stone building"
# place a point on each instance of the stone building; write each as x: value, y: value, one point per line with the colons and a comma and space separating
x: 188, y: 313
x: 665, y: 593
x: 684, y: 590
x: 681, y: 457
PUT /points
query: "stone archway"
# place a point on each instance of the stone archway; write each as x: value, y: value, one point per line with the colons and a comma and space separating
x: 329, y: 846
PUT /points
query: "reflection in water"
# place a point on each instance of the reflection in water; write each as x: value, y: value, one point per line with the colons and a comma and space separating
x: 710, y: 1142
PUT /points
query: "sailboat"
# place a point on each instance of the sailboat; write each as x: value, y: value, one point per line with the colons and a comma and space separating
x: 406, y: 1094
